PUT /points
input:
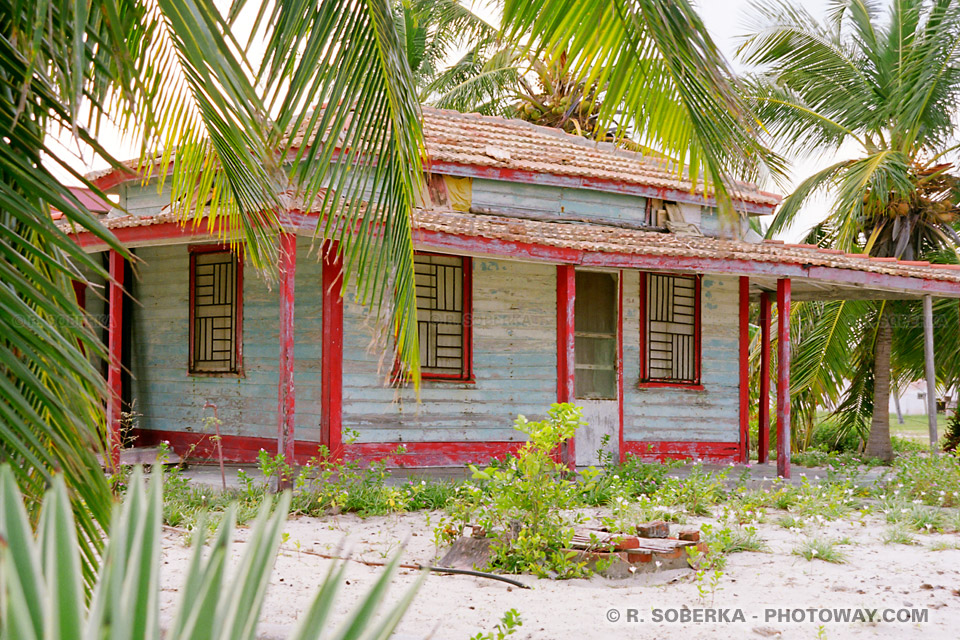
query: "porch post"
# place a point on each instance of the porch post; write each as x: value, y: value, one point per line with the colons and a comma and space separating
x: 566, y: 294
x: 763, y: 444
x: 931, y: 372
x: 114, y: 346
x: 287, y: 395
x: 783, y: 377
x: 744, y: 369
x: 331, y: 381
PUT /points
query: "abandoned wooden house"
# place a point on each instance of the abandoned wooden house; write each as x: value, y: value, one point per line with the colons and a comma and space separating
x: 549, y: 268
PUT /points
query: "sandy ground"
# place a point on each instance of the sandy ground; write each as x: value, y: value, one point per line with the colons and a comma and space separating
x: 876, y: 576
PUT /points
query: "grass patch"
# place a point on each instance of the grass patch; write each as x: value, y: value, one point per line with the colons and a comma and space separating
x: 820, y: 549
x: 898, y: 535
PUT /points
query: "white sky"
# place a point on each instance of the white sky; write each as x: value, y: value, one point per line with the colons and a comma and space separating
x: 725, y: 19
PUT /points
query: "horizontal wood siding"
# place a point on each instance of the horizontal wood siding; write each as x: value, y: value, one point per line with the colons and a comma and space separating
x: 667, y: 414
x: 511, y: 198
x: 514, y: 366
x: 171, y: 400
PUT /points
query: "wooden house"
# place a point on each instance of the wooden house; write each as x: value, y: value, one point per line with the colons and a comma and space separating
x: 549, y: 268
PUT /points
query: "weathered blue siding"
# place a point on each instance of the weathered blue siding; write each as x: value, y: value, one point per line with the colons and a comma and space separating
x: 170, y: 399
x: 514, y: 364
x: 514, y: 198
x: 710, y: 415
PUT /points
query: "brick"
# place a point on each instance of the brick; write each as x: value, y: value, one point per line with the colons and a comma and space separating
x: 626, y: 543
x: 635, y: 557
x: 656, y: 529
x: 689, y: 535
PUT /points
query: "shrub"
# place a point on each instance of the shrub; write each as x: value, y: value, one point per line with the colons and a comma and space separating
x: 522, y: 499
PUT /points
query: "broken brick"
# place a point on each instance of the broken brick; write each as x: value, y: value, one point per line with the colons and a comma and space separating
x: 656, y: 529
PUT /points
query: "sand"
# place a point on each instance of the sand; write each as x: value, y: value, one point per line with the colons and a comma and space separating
x: 875, y: 577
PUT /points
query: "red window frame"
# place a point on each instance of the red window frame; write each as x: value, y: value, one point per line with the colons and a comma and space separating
x: 194, y: 250
x: 466, y: 374
x: 646, y: 381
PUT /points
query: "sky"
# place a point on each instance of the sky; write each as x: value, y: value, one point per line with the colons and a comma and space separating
x: 724, y: 19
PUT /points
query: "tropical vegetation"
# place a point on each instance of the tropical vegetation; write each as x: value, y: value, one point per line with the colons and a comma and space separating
x: 43, y: 588
x: 875, y: 85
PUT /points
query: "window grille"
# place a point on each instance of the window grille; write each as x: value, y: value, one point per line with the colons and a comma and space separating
x: 442, y: 302
x: 672, y: 319
x: 214, y: 297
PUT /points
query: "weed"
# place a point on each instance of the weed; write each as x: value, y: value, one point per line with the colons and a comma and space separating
x: 790, y: 522
x: 510, y: 623
x: 819, y: 549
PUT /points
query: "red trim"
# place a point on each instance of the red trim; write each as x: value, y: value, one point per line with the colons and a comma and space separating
x: 566, y: 299
x: 114, y: 356
x: 245, y: 449
x: 431, y: 454
x: 681, y: 386
x: 331, y: 379
x: 80, y: 292
x: 620, y: 364
x: 193, y: 250
x: 783, y: 378
x: 645, y: 381
x: 763, y: 414
x: 286, y: 400
x: 744, y: 369
x: 659, y: 450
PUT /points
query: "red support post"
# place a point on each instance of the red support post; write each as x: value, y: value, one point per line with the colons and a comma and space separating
x: 566, y: 295
x: 620, y: 445
x: 114, y: 345
x: 744, y: 369
x: 331, y: 382
x: 287, y: 394
x: 763, y: 445
x: 783, y: 377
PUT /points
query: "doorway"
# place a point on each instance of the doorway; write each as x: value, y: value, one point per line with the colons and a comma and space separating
x: 596, y: 365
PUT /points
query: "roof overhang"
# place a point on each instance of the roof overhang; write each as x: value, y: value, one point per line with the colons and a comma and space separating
x: 816, y: 274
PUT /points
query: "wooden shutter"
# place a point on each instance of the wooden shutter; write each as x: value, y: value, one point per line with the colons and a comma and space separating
x: 214, y: 305
x: 442, y: 303
x: 672, y: 328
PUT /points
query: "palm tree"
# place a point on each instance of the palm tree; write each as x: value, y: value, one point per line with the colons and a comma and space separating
x: 877, y: 88
x: 240, y: 124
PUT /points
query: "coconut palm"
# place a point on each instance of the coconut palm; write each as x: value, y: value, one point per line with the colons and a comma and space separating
x: 293, y: 113
x: 878, y: 88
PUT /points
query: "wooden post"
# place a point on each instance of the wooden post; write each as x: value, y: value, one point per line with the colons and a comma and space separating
x: 931, y: 372
x: 287, y: 393
x: 566, y: 295
x: 114, y: 357
x: 620, y: 446
x: 744, y: 369
x: 783, y: 377
x: 331, y: 382
x: 763, y: 444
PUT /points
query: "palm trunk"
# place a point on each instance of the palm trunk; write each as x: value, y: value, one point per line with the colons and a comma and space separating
x: 878, y: 444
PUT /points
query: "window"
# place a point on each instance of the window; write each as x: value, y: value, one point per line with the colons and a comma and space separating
x: 216, y: 283
x: 670, y: 329
x: 443, y: 305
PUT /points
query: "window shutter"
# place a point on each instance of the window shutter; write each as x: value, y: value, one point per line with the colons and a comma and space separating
x: 213, y: 314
